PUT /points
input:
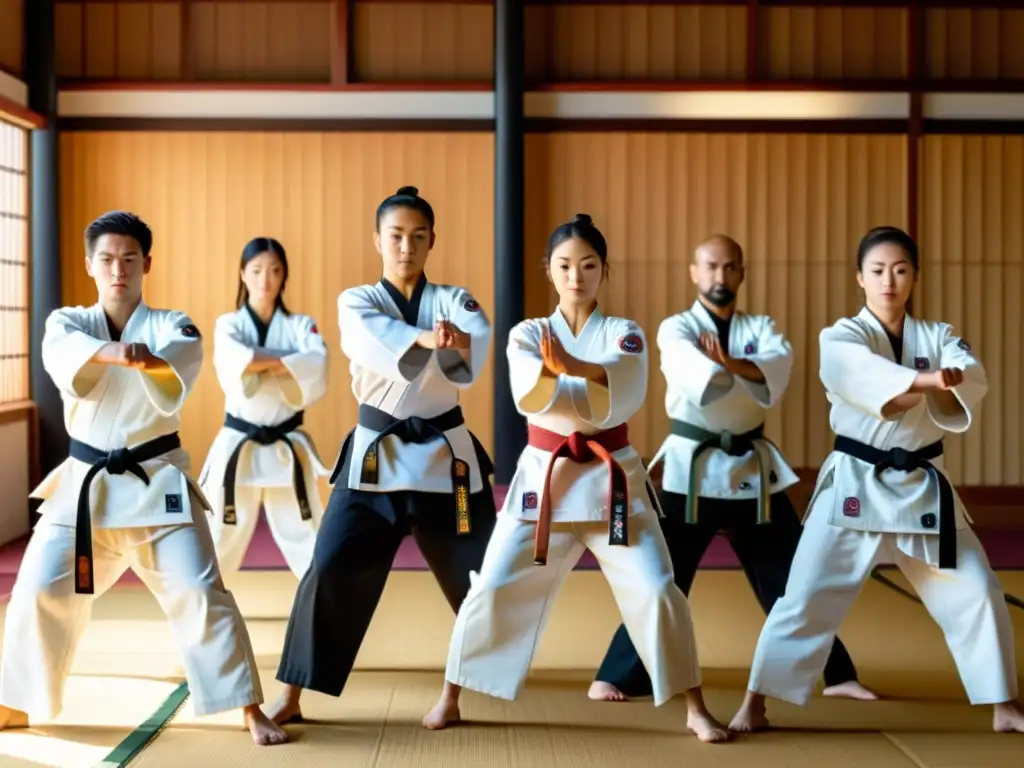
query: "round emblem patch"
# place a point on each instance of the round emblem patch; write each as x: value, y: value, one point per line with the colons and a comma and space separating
x: 471, y: 305
x: 631, y: 343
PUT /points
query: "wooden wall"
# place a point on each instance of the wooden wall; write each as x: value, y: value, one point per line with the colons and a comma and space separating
x: 447, y: 41
x: 206, y: 194
x: 11, y: 31
x: 798, y: 203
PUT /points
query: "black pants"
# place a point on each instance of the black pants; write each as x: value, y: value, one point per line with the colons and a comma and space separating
x: 765, y: 552
x: 355, y: 548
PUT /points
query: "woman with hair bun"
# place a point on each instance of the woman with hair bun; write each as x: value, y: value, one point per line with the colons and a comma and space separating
x: 577, y: 376
x: 410, y: 467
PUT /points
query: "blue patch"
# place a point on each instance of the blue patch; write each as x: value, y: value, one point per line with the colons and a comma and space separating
x: 190, y: 331
x: 750, y: 349
x: 964, y: 345
x: 471, y: 305
x: 529, y: 500
x: 172, y: 503
x: 921, y: 363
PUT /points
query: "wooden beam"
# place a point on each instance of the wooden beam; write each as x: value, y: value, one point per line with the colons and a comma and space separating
x: 342, y: 42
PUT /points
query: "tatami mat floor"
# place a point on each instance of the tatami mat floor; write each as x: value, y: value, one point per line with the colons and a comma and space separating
x: 127, y: 665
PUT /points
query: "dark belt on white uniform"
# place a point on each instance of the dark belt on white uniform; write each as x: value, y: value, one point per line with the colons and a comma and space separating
x: 733, y: 445
x: 116, y: 462
x: 264, y: 436
x: 907, y: 461
x: 418, y: 430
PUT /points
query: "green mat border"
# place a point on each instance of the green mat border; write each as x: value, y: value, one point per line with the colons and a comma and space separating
x: 140, y: 738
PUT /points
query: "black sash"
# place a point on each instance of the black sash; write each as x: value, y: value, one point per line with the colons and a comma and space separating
x: 414, y: 430
x: 264, y: 436
x: 116, y: 462
x: 734, y: 445
x: 906, y: 461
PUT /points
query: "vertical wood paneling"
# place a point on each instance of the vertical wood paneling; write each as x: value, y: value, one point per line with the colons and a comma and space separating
x: 12, y: 30
x: 798, y: 204
x: 436, y: 41
x: 975, y: 43
x: 833, y: 43
x: 206, y: 194
x: 972, y: 237
x: 636, y: 42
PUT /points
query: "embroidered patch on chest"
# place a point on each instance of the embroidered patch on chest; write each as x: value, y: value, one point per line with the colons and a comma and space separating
x: 190, y: 331
x: 471, y: 305
x: 529, y: 500
x: 631, y: 343
x: 921, y: 363
x: 172, y: 503
x: 851, y: 506
x: 750, y: 348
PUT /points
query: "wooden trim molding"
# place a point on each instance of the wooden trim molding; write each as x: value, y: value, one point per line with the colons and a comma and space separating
x: 14, y: 103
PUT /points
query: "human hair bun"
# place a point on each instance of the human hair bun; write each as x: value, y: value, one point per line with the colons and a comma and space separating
x: 408, y: 192
x: 583, y: 220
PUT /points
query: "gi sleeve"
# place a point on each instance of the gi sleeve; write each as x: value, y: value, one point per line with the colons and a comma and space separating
x: 231, y: 356
x: 625, y: 365
x: 532, y: 392
x: 180, y: 345
x: 377, y: 341
x: 956, y: 353
x: 685, y: 366
x: 466, y: 314
x: 304, y: 381
x: 848, y: 368
x: 774, y: 358
x: 68, y: 350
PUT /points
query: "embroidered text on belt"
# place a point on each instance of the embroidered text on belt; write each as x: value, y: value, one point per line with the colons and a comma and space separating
x: 906, y: 461
x: 116, y: 462
x: 416, y: 429
x: 734, y: 445
x: 581, y: 449
x: 264, y: 436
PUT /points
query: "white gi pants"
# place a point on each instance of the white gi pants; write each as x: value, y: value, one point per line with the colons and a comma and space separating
x: 828, y: 572
x: 46, y: 619
x: 500, y: 621
x: 294, y: 536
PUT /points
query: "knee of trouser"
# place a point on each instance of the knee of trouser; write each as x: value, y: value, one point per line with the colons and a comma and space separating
x: 655, y: 587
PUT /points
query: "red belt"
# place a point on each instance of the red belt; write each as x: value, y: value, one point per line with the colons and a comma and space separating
x: 582, y: 448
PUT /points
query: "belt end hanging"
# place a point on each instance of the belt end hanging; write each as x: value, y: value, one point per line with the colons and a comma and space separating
x: 460, y: 487
x: 618, y: 525
x: 369, y: 472
x: 83, y: 576
x: 230, y: 518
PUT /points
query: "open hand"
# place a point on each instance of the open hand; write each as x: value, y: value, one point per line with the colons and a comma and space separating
x: 556, y: 360
x: 947, y: 378
x: 447, y: 335
x: 712, y: 347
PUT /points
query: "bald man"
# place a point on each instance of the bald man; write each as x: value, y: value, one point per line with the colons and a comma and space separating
x: 724, y: 369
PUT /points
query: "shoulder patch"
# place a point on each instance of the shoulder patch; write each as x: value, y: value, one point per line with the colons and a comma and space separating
x: 631, y: 343
x: 190, y: 331
x: 314, y: 329
x: 471, y: 305
x: 964, y: 345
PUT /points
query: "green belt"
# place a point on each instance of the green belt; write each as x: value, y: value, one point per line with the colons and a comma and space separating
x: 734, y: 445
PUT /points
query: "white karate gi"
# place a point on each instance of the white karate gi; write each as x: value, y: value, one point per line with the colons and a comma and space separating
x: 159, y: 530
x: 701, y: 392
x: 391, y: 373
x: 264, y: 475
x: 858, y: 516
x: 500, y: 621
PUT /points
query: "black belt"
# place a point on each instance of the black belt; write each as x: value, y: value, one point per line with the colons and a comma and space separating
x: 734, y: 445
x: 414, y: 430
x: 264, y: 436
x: 905, y: 461
x: 116, y: 462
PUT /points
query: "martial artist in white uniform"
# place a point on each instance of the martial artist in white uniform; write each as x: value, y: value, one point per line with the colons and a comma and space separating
x: 724, y: 370
x: 272, y: 365
x: 410, y: 466
x: 123, y: 499
x: 897, y: 384
x: 577, y: 377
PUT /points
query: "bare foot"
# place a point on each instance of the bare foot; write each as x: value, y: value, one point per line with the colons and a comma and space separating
x: 605, y: 692
x: 1008, y: 718
x: 265, y: 731
x: 286, y: 709
x: 851, y: 689
x: 12, y: 718
x: 446, y: 711
x: 700, y: 721
x: 751, y: 715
